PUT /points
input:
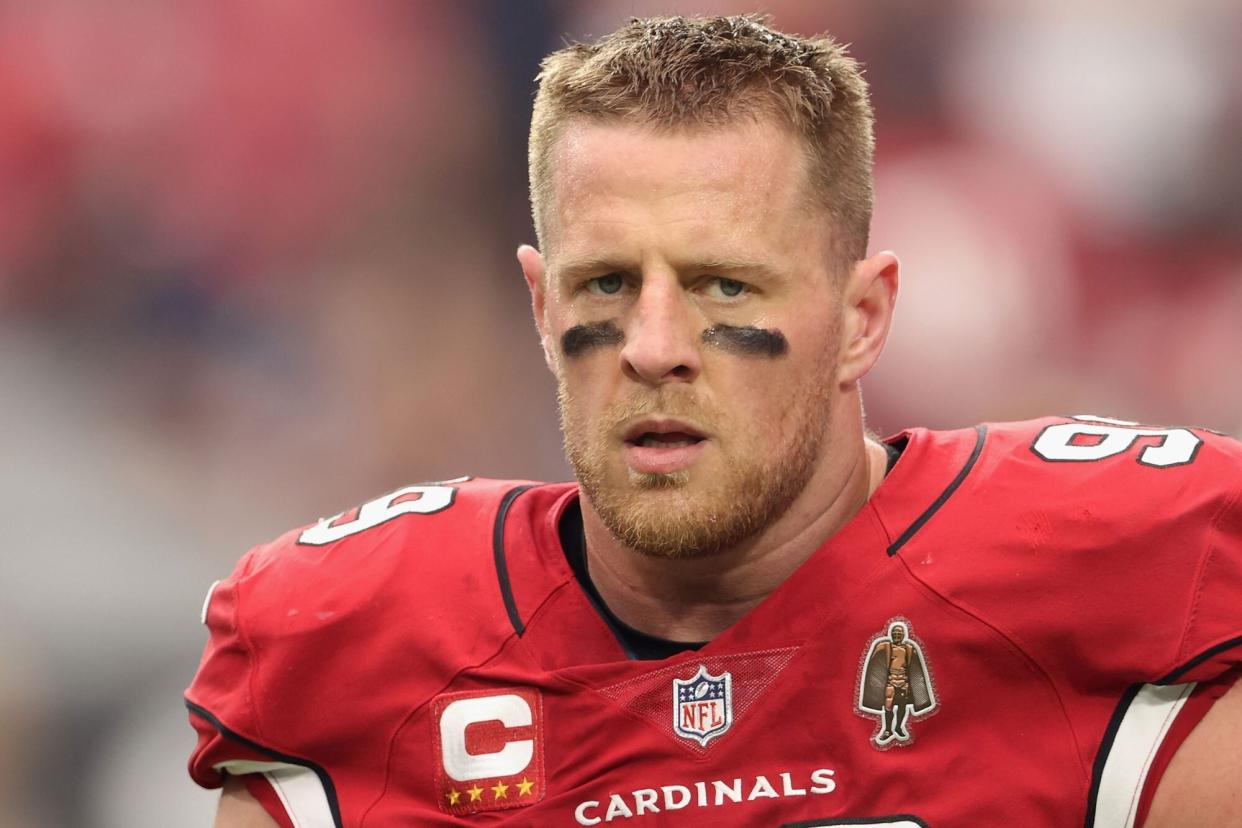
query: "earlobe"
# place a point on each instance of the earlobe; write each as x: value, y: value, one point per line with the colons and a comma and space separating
x: 533, y: 269
x: 869, y: 297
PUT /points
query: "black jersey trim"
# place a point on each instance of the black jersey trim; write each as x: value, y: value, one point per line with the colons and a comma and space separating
x: 981, y: 434
x: 324, y: 778
x: 498, y: 553
x: 1106, y: 747
x: 1114, y: 724
x: 637, y: 645
x: 1173, y: 677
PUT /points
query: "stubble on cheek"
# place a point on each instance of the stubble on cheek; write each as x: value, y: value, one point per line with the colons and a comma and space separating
x: 761, y: 468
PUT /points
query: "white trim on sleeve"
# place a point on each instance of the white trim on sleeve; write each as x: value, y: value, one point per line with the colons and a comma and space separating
x: 298, y: 788
x: 1142, y: 730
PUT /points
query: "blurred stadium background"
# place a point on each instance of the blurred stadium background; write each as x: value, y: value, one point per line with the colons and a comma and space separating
x: 256, y: 265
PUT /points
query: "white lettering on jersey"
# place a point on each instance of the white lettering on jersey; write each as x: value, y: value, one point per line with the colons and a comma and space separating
x: 511, y: 711
x: 672, y: 803
x: 711, y: 793
x: 762, y: 788
x: 823, y: 781
x: 787, y: 788
x: 580, y: 815
x: 645, y: 800
x: 617, y: 808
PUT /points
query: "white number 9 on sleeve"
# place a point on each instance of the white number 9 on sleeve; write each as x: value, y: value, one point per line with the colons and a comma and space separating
x: 412, y: 500
x: 1084, y: 442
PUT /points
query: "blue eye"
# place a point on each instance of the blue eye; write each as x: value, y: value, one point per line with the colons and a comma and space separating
x: 608, y: 284
x: 729, y: 287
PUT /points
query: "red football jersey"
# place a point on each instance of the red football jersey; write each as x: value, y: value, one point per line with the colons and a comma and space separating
x: 1015, y: 629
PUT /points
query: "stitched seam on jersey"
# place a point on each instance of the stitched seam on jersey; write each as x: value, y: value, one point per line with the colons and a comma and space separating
x: 696, y: 754
x: 414, y: 711
x: 511, y: 639
x: 646, y: 677
x: 320, y: 771
x: 409, y: 718
x: 1201, y: 575
x: 976, y: 452
x: 252, y: 658
x: 567, y: 580
x: 1084, y: 764
x: 500, y: 559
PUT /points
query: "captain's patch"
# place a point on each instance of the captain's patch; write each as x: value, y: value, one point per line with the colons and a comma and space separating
x: 488, y: 749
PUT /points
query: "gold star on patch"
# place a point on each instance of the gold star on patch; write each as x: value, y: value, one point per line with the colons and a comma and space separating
x: 476, y: 793
x: 501, y: 790
x: 454, y: 796
x: 524, y: 787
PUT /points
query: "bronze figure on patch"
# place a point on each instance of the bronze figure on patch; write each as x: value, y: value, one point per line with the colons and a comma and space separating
x: 895, y: 684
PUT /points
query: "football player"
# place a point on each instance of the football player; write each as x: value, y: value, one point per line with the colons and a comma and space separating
x: 745, y: 611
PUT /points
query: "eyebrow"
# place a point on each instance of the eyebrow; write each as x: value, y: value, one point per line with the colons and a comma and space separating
x: 590, y: 264
x: 738, y: 266
x: 601, y: 265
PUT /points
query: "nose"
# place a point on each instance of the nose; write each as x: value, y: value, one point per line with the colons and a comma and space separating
x: 661, y: 345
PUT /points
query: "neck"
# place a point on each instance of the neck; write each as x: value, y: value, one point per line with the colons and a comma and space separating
x: 697, y: 599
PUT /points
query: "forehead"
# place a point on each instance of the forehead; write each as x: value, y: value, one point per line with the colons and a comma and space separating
x: 744, y: 182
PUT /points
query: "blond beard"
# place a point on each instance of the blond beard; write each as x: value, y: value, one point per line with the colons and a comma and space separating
x: 660, y: 514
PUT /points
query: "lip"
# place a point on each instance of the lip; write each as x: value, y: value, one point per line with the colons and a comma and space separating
x: 660, y: 425
x: 661, y: 459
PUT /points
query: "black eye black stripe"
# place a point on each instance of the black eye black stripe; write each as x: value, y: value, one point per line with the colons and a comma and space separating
x: 748, y: 340
x: 581, y: 338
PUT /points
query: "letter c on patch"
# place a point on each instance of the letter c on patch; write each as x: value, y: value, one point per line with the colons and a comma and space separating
x: 511, y: 711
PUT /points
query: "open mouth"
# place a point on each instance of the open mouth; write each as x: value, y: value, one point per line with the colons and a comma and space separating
x: 662, y: 446
x: 657, y: 432
x: 665, y: 439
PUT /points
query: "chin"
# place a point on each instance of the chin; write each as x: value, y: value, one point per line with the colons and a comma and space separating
x: 649, y: 481
x: 667, y: 516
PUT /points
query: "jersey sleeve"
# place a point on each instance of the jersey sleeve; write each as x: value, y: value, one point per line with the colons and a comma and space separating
x: 222, y: 693
x: 218, y: 700
x: 1135, y: 555
x: 1213, y: 638
x: 1110, y: 554
x: 324, y: 642
x: 291, y: 687
x: 1210, y: 660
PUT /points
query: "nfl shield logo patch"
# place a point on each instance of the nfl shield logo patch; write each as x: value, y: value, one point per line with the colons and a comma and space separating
x: 702, y: 706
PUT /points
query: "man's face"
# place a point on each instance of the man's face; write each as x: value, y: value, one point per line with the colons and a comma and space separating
x: 692, y: 317
x: 899, y: 635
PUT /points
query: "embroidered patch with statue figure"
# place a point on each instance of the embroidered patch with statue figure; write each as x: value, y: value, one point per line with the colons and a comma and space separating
x: 895, y: 684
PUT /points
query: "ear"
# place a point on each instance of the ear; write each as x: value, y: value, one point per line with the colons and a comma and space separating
x: 869, y: 296
x: 533, y: 269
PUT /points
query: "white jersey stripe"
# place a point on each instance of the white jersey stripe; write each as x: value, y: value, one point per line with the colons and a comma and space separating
x: 211, y: 590
x: 1143, y: 727
x: 299, y: 790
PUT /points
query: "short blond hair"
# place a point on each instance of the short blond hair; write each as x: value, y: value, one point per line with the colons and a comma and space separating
x: 708, y: 71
